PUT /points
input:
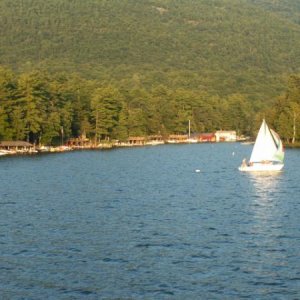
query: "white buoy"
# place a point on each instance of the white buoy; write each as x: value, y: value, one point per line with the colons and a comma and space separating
x: 233, y: 153
x: 197, y: 171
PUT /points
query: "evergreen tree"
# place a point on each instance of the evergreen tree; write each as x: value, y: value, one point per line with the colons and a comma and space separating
x: 32, y: 93
x: 120, y: 132
x: 7, y: 94
x: 106, y: 105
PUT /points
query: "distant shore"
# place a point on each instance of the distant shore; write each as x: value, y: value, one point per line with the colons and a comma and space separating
x: 111, y: 145
x: 100, y: 146
x: 294, y: 146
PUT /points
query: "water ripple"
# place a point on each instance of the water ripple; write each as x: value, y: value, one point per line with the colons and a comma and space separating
x: 142, y: 224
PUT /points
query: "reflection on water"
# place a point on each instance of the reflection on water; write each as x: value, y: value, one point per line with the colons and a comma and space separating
x: 267, y: 230
x: 265, y: 201
x: 266, y: 185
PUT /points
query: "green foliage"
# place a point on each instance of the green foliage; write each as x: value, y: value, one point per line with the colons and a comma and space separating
x: 221, y: 47
x: 48, y: 108
x: 4, y: 125
x: 120, y: 131
x: 17, y: 123
x: 31, y: 92
x: 285, y: 114
x: 239, y: 114
x: 111, y: 69
x: 106, y: 105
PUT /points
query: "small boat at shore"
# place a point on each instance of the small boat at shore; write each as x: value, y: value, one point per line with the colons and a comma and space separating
x: 3, y: 152
x: 247, y: 143
x: 267, y: 154
x: 7, y: 152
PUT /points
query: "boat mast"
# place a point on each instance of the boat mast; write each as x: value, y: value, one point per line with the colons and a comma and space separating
x: 294, y: 128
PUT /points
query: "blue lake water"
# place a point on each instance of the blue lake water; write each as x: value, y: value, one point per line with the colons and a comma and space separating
x: 141, y: 223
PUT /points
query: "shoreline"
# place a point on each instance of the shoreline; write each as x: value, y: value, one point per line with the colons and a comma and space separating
x: 108, y: 146
x: 101, y: 146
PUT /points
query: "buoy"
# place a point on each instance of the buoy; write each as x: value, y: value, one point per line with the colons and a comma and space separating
x: 233, y: 153
x: 197, y: 171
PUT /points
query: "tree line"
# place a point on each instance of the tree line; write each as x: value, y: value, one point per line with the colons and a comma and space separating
x: 40, y: 107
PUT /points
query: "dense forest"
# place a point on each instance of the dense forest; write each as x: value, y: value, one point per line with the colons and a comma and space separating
x: 112, y: 69
x: 37, y: 106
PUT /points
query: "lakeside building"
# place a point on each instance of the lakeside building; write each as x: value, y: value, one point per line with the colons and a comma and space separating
x: 177, y: 138
x: 79, y: 143
x: 206, y: 137
x: 155, y: 140
x: 136, y: 141
x: 82, y: 142
x: 16, y: 147
x: 225, y: 136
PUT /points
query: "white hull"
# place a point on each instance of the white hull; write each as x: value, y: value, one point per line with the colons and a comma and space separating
x: 155, y: 143
x: 192, y: 141
x: 259, y: 167
x: 6, y: 152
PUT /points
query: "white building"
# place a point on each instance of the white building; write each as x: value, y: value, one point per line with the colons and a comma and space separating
x: 225, y: 136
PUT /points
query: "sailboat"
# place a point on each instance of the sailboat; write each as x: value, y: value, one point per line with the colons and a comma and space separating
x: 267, y: 153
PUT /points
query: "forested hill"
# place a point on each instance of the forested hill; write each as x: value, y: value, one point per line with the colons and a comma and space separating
x: 218, y: 46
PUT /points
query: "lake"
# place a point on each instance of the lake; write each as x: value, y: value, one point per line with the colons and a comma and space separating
x: 145, y: 223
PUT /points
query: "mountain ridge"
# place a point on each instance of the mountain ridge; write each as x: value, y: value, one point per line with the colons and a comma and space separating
x: 226, y: 46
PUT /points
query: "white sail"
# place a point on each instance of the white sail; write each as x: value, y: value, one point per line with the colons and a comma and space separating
x: 265, y: 147
x: 279, y: 154
x: 267, y: 154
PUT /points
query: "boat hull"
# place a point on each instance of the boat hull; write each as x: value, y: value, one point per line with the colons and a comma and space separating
x: 262, y: 168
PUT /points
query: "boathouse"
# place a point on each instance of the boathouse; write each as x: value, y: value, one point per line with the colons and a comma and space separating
x: 177, y: 138
x: 225, y: 136
x: 16, y: 146
x: 136, y: 141
x: 155, y: 140
x: 206, y: 137
x: 79, y: 142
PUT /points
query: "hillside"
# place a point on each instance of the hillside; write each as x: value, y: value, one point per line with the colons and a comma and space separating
x: 219, y: 46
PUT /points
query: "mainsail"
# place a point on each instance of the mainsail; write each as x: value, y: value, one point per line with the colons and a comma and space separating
x: 268, y: 146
